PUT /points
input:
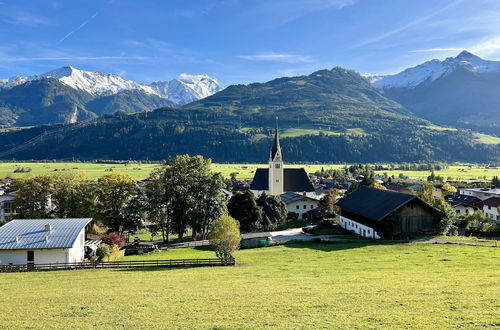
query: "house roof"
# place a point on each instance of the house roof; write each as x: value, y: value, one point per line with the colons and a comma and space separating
x: 290, y: 197
x: 492, y: 201
x: 31, y: 233
x: 294, y: 179
x: 374, y: 203
x: 458, y: 199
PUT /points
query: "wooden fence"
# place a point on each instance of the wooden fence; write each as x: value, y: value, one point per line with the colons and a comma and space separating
x: 119, y: 264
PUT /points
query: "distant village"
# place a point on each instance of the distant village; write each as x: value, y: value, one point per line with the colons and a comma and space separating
x: 276, y: 200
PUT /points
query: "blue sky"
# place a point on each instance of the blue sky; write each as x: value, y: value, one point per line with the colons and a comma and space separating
x: 240, y: 41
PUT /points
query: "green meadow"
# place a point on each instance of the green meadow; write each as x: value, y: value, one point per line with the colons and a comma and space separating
x: 426, y: 286
x: 141, y: 170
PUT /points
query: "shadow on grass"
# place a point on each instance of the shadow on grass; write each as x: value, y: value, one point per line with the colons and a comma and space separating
x: 326, y: 246
x: 154, y: 269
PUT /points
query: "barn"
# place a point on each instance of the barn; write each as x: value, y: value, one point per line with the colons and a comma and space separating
x: 42, y: 241
x: 376, y: 213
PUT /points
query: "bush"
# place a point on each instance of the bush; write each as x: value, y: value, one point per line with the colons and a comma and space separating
x: 103, y: 251
x: 96, y: 230
x: 225, y: 236
x: 292, y: 224
x: 114, y: 239
x: 292, y: 216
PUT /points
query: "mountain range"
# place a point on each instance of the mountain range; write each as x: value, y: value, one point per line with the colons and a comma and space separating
x: 332, y: 115
x: 68, y: 94
x: 462, y: 91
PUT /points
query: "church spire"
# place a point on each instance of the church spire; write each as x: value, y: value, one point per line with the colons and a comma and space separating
x: 276, y: 154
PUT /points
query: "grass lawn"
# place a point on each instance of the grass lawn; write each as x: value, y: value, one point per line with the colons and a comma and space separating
x: 297, y: 286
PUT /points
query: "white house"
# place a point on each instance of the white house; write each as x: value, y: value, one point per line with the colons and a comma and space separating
x: 491, y: 208
x: 299, y: 203
x: 42, y: 241
x: 463, y: 204
x: 481, y: 193
x: 7, y: 205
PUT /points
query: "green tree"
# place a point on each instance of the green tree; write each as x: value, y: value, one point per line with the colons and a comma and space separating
x: 114, y: 192
x: 495, y: 182
x: 326, y: 204
x: 72, y: 195
x: 33, y: 197
x: 243, y: 207
x: 193, y: 194
x: 274, y: 211
x: 157, y: 208
x: 225, y: 236
x: 448, y: 217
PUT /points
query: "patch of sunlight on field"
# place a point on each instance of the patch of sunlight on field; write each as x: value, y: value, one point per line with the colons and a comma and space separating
x: 486, y: 139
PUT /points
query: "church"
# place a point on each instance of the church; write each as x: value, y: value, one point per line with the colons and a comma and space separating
x: 277, y: 180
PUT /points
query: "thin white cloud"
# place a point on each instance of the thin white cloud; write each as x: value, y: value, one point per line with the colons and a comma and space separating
x: 276, y: 57
x: 485, y: 47
x: 87, y: 21
x: 437, y: 50
x: 25, y: 18
x: 73, y: 58
x: 411, y: 24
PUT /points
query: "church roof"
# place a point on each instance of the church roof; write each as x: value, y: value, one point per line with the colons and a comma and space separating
x: 294, y: 179
x: 276, y: 149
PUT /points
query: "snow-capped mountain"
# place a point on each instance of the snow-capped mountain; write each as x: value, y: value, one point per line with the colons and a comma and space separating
x: 459, y: 91
x: 432, y: 70
x: 186, y: 88
x: 181, y: 90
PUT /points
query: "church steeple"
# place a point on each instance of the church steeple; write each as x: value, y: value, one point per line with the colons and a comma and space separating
x: 276, y: 166
x: 276, y: 153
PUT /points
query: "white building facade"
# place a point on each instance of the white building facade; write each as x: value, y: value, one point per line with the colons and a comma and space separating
x: 43, y: 241
x: 358, y: 228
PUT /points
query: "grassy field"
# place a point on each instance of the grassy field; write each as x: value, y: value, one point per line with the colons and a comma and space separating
x: 141, y: 171
x: 425, y: 286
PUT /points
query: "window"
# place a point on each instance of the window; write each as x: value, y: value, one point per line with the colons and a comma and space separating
x: 277, y: 180
x: 305, y: 207
x: 312, y: 206
x: 277, y: 165
x: 297, y: 207
x: 7, y: 207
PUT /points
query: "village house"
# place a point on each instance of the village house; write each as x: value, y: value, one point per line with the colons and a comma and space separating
x: 276, y: 180
x: 7, y: 206
x: 481, y: 193
x: 376, y: 213
x: 302, y: 204
x: 491, y: 208
x: 463, y: 204
x: 43, y: 241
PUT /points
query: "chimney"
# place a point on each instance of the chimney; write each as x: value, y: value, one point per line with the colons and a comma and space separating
x: 48, y: 227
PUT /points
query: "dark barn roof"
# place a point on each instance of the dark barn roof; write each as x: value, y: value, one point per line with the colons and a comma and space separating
x: 492, y: 201
x: 295, y: 179
x: 374, y: 203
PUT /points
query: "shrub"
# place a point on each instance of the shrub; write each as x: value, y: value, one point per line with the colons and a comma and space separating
x: 96, y: 230
x: 103, y: 251
x: 225, y: 236
x: 114, y: 239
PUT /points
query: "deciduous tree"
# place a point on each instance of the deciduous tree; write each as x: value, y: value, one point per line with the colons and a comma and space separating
x: 225, y: 236
x: 243, y: 207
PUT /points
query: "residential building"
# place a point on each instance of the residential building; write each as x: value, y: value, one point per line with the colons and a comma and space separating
x: 463, y: 204
x: 7, y: 206
x: 302, y: 204
x: 42, y: 241
x: 491, y: 208
x: 376, y: 213
x: 481, y: 193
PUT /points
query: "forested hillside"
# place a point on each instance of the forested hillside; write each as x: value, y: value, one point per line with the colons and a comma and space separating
x: 328, y: 116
